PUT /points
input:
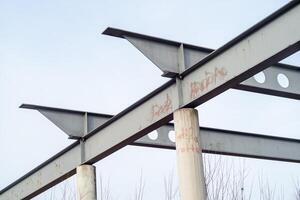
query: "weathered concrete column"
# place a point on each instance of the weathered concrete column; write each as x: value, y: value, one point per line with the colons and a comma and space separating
x: 86, y: 182
x: 189, y: 155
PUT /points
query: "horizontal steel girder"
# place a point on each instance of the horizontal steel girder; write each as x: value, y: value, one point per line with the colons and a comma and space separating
x: 216, y: 141
x: 266, y: 43
x: 165, y: 54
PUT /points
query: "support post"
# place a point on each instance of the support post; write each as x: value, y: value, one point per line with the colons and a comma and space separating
x: 189, y: 155
x: 86, y: 182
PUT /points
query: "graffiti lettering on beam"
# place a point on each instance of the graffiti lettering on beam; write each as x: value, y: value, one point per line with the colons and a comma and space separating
x: 211, y: 78
x: 159, y: 110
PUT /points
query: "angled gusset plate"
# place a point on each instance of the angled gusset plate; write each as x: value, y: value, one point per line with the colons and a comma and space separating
x: 169, y: 56
x: 216, y: 141
x: 74, y: 123
x: 264, y: 44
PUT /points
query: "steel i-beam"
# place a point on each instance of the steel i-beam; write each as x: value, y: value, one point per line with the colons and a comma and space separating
x: 166, y: 55
x: 215, y: 141
x: 265, y: 44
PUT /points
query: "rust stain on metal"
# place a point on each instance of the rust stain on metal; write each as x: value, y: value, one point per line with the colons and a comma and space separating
x: 211, y: 78
x: 160, y: 110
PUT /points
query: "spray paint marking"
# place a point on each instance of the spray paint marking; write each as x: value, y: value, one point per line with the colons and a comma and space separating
x: 211, y: 78
x: 191, y: 148
x: 158, y: 110
x: 188, y: 141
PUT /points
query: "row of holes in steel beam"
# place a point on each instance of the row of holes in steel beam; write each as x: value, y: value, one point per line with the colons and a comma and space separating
x: 154, y: 135
x: 282, y: 79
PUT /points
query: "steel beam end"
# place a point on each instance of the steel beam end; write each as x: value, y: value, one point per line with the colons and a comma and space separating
x: 27, y: 106
x: 113, y: 32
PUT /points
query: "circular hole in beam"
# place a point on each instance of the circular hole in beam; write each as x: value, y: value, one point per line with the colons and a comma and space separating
x: 153, y: 135
x: 171, y: 135
x: 260, y: 77
x: 283, y: 80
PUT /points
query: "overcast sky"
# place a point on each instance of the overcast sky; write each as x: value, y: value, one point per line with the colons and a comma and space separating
x: 52, y: 53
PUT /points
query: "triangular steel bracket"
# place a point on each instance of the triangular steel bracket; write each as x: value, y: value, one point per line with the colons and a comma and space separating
x: 76, y: 124
x: 171, y: 57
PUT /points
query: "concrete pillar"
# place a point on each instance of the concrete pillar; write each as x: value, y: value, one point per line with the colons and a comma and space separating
x: 86, y: 182
x: 189, y: 155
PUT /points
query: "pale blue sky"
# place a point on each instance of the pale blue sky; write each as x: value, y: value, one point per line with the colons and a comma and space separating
x: 52, y: 53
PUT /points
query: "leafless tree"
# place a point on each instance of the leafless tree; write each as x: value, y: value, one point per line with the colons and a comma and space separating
x: 297, y: 189
x: 139, y: 189
x: 225, y: 180
x: 171, y: 191
x: 65, y: 191
x: 104, y: 191
x: 268, y: 192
